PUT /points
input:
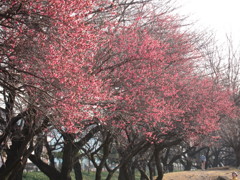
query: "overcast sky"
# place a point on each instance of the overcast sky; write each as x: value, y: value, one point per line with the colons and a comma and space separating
x: 222, y: 16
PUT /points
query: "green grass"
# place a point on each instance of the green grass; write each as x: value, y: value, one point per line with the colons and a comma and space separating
x: 34, y: 176
x: 91, y: 175
x: 86, y: 176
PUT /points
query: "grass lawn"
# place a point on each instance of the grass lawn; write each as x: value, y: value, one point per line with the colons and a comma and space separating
x: 183, y: 175
x: 86, y: 176
x: 34, y: 176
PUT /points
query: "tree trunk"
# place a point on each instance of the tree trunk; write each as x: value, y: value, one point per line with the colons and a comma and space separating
x: 49, y: 171
x: 68, y: 157
x: 125, y: 173
x: 49, y: 153
x: 110, y: 174
x: 15, y: 163
x: 216, y: 158
x: 106, y: 151
x: 19, y: 175
x: 67, y: 164
x: 78, y: 170
x: 158, y: 164
x: 143, y: 175
x: 188, y: 166
x: 237, y: 153
x: 98, y: 173
x: 151, y: 168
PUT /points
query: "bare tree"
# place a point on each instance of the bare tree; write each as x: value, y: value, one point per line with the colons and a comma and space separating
x: 223, y: 65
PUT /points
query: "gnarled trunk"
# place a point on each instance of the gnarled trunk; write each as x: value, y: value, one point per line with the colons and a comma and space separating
x: 126, y: 173
x: 16, y: 160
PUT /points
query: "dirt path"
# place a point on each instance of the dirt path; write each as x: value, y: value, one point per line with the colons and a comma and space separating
x: 200, y: 175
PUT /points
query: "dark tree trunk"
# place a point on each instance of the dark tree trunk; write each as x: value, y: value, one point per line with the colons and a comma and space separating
x: 110, y: 174
x: 125, y: 173
x: 68, y: 157
x: 158, y: 164
x: 106, y: 151
x: 67, y: 164
x: 216, y: 158
x: 19, y: 175
x: 207, y: 157
x: 237, y: 153
x: 188, y: 165
x: 70, y: 151
x: 49, y: 171
x: 49, y: 153
x: 164, y: 160
x: 98, y: 173
x: 143, y: 175
x: 151, y: 168
x: 16, y: 161
x: 132, y: 172
x: 78, y: 170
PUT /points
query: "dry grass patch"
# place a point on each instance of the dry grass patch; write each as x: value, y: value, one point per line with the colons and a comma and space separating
x: 210, y: 174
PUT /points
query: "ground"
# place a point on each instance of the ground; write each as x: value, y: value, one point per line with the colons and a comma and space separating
x: 210, y: 174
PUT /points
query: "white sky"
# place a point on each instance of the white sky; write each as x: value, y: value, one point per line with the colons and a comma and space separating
x: 222, y: 16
